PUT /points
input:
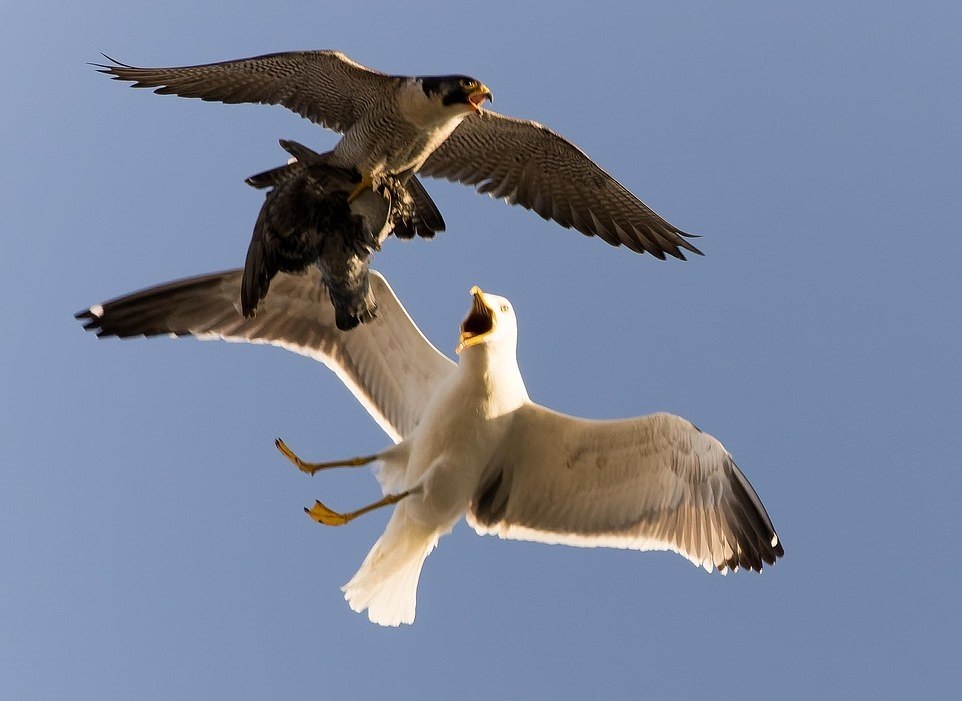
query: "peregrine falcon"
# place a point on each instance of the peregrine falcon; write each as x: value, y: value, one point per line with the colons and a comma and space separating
x: 432, y: 125
x: 309, y: 218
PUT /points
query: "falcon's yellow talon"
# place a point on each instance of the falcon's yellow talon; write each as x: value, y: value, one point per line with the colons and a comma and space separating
x: 366, y: 182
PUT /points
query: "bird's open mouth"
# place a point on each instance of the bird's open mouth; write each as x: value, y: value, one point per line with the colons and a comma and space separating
x: 478, y: 323
x: 477, y: 98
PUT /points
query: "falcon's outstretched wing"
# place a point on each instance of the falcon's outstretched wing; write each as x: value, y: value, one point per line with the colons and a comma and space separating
x: 528, y: 164
x: 326, y: 87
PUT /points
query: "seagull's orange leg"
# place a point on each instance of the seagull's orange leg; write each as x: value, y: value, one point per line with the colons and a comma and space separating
x: 312, y: 467
x: 329, y: 517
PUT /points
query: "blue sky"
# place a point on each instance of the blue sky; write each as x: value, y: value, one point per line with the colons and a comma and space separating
x: 154, y: 545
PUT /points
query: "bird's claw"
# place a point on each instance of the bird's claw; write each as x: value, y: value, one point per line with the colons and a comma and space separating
x: 366, y: 182
x: 326, y: 516
x: 292, y: 456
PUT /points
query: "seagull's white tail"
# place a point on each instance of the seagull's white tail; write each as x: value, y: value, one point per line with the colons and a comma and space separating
x: 387, y: 583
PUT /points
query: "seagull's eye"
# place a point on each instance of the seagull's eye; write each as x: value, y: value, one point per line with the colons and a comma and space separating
x: 467, y: 83
x: 505, y: 307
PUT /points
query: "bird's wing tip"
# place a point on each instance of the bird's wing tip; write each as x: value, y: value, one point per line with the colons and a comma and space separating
x: 105, y: 68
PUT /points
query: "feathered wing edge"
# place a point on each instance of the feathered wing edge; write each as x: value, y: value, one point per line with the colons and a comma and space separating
x: 651, y: 483
x: 388, y: 364
x: 526, y: 163
x: 325, y: 87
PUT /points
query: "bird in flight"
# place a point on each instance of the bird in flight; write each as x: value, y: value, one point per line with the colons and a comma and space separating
x: 430, y: 125
x: 468, y: 441
x: 309, y: 218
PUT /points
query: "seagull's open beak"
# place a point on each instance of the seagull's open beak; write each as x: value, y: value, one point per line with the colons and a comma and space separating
x: 477, y: 97
x: 478, y: 323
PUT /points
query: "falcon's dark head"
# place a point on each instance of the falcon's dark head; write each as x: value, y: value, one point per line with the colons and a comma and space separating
x: 457, y: 90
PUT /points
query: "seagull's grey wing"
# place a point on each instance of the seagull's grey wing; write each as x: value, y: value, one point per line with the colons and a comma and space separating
x: 651, y: 483
x: 387, y: 363
x: 326, y: 87
x: 528, y: 164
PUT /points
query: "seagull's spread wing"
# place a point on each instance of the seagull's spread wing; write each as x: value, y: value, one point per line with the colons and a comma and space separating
x: 528, y: 164
x: 650, y: 483
x: 326, y: 87
x: 387, y: 363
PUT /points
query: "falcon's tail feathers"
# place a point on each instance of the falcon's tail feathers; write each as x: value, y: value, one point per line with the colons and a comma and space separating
x: 429, y: 218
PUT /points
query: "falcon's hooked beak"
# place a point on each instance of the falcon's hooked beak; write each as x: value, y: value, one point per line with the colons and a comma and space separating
x: 477, y: 97
x: 478, y: 323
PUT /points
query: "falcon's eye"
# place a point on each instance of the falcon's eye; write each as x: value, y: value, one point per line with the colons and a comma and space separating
x: 467, y: 83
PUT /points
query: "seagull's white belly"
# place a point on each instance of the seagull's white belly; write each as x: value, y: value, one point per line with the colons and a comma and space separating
x: 453, y: 444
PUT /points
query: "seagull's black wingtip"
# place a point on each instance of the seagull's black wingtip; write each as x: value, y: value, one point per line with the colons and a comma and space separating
x: 91, y: 321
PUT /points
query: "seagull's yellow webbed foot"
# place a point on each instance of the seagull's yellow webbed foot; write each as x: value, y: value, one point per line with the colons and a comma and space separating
x: 366, y: 182
x: 322, y: 514
x: 312, y: 467
x: 328, y: 517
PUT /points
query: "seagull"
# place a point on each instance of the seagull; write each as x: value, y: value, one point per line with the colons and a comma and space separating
x: 467, y: 441
x: 430, y: 125
x: 308, y: 218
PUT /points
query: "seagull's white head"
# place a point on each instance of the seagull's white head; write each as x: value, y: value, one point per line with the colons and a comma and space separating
x: 490, y: 320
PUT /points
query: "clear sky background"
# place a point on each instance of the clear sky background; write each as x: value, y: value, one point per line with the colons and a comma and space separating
x: 152, y: 542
